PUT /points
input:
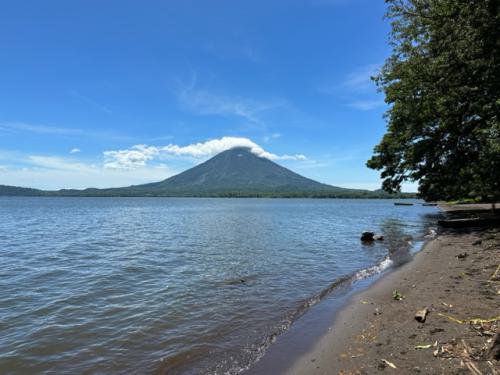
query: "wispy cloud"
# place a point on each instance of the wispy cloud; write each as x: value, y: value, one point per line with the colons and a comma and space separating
x: 366, y: 105
x: 67, y: 132
x: 205, y: 102
x: 39, y: 129
x: 355, y: 82
x: 58, y: 163
x: 74, y: 151
x: 270, y: 137
x: 357, y: 89
x: 139, y: 155
x: 360, y: 80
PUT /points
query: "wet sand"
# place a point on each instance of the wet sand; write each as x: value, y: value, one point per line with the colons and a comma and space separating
x: 454, y: 277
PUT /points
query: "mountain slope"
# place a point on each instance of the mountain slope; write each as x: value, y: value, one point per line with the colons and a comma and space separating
x: 237, y: 169
x: 6, y: 190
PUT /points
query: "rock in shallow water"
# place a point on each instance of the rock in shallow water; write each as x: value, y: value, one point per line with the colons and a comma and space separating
x: 367, y: 236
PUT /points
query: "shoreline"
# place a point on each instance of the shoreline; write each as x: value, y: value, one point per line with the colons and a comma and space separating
x: 372, y: 331
x: 310, y: 327
x: 373, y: 328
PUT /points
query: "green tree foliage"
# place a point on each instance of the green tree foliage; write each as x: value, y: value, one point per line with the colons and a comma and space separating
x: 442, y: 83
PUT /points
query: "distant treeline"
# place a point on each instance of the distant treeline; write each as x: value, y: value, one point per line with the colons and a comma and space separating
x: 130, y: 192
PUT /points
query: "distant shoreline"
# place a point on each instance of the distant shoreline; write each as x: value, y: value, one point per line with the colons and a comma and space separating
x: 206, y: 196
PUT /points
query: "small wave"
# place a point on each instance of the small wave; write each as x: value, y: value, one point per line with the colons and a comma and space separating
x: 432, y: 233
x: 256, y: 351
x: 370, y: 271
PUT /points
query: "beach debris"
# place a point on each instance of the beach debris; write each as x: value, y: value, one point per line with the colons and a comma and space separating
x: 494, y: 349
x: 467, y: 358
x: 421, y: 315
x: 377, y: 311
x: 496, y: 275
x: 396, y: 294
x: 387, y: 363
x: 463, y: 352
x: 423, y: 346
x: 367, y: 236
x: 471, y: 321
x: 462, y: 255
x: 477, y: 242
x: 445, y: 351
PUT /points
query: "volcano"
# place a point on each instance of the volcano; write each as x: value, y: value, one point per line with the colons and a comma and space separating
x: 236, y: 172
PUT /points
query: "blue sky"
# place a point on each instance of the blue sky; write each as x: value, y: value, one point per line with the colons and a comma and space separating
x: 112, y: 93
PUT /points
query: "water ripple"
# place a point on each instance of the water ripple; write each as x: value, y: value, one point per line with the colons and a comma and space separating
x: 128, y: 285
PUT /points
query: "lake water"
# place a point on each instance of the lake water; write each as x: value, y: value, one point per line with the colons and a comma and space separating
x: 177, y: 286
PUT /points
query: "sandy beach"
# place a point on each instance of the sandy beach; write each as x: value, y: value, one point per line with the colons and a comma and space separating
x: 456, y: 277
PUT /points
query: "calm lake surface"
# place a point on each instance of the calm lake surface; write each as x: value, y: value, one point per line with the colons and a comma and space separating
x: 188, y: 286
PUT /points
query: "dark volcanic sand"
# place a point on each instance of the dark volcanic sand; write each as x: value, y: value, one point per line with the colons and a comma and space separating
x: 375, y: 327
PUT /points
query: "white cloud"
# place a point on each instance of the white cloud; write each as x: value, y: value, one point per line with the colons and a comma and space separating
x: 215, y: 146
x: 139, y: 155
x: 136, y: 156
x: 74, y: 151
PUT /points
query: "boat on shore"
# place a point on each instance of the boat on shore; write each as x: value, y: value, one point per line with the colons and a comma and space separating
x: 470, y: 222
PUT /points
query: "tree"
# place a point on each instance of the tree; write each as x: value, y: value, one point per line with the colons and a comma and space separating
x: 442, y: 84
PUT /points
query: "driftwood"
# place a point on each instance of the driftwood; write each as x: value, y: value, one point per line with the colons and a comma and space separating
x: 421, y: 315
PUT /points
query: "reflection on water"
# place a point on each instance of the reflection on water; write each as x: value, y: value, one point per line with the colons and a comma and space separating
x: 115, y: 285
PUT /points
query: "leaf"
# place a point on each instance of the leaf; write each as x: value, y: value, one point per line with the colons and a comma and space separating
x: 396, y: 294
x: 426, y: 346
x: 390, y: 364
